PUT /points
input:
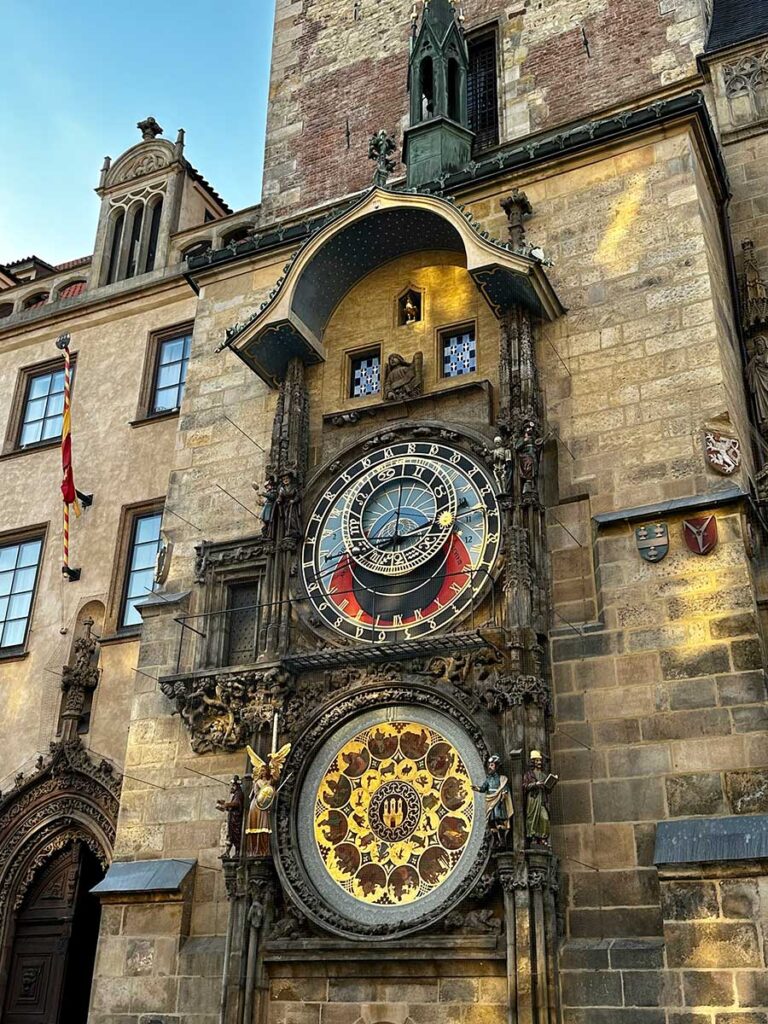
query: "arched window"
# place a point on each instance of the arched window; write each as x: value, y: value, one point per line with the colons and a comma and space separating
x: 238, y: 234
x: 427, y: 89
x: 454, y: 111
x: 114, y: 251
x: 71, y: 289
x: 197, y: 249
x: 135, y: 240
x: 38, y: 299
x: 6, y: 308
x: 154, y: 234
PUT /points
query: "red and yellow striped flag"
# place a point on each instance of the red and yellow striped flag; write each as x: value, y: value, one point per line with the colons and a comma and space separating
x: 68, y: 492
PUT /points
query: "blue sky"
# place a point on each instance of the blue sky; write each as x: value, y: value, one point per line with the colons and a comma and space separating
x: 78, y: 76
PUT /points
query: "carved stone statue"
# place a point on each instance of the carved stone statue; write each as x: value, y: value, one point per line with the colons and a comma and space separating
x: 517, y: 207
x: 498, y: 800
x: 757, y: 376
x: 380, y: 147
x: 528, y: 450
x: 289, y: 502
x: 149, y: 129
x: 402, y: 379
x: 503, y: 465
x: 233, y: 808
x: 537, y: 785
x: 269, y: 508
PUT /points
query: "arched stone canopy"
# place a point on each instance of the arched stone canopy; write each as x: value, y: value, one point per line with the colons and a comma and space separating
x: 66, y: 799
x: 382, y: 227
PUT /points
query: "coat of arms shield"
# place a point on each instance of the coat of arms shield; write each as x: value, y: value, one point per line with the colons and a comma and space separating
x: 652, y: 541
x: 700, y: 534
x: 723, y: 453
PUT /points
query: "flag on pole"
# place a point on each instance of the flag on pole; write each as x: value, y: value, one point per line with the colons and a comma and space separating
x: 68, y: 491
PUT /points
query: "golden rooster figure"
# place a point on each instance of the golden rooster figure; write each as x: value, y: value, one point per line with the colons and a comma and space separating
x: 263, y: 792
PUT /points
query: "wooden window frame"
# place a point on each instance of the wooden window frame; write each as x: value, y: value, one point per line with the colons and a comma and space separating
x: 119, y: 582
x: 39, y: 531
x: 144, y: 413
x: 19, y: 404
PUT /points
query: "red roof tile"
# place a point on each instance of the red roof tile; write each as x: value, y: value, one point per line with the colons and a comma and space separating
x: 71, y: 290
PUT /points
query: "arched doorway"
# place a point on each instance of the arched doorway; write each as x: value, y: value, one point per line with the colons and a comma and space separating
x: 54, y: 946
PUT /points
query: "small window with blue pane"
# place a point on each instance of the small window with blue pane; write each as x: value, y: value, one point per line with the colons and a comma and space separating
x: 43, y: 409
x: 459, y: 351
x: 365, y: 376
x: 19, y: 564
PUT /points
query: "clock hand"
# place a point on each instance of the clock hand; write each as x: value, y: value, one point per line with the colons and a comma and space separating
x: 399, y: 504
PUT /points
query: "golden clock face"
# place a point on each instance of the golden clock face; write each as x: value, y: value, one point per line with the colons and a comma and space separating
x: 394, y: 813
x: 402, y: 542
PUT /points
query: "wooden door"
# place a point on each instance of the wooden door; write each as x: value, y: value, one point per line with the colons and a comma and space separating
x: 54, y: 944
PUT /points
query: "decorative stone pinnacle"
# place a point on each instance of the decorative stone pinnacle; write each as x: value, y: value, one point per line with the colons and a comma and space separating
x: 149, y: 129
x: 517, y: 207
x: 754, y: 290
x: 380, y: 146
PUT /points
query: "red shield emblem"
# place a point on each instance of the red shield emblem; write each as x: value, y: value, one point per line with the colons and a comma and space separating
x: 700, y: 534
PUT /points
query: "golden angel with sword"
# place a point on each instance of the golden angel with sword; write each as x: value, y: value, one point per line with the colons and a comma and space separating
x: 264, y: 790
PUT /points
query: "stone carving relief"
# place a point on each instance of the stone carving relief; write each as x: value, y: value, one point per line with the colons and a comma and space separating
x: 145, y: 159
x: 223, y: 710
x: 746, y: 87
x: 403, y: 379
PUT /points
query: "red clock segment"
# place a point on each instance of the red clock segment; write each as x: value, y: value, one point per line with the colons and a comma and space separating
x: 402, y: 543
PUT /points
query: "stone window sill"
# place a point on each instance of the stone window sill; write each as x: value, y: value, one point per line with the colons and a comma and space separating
x: 15, y: 453
x: 142, y: 421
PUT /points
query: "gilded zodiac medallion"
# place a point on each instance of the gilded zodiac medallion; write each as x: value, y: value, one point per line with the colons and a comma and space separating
x: 393, y: 813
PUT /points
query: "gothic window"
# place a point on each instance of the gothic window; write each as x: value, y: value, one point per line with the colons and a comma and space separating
x: 133, y: 245
x: 242, y: 623
x: 114, y: 249
x: 482, y: 97
x: 19, y: 564
x: 43, y: 408
x: 454, y: 106
x: 34, y: 301
x: 459, y: 351
x: 427, y: 89
x: 365, y: 377
x: 171, y: 373
x: 140, y: 566
x: 154, y: 234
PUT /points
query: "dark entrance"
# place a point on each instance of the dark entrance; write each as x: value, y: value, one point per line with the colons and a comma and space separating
x: 54, y: 944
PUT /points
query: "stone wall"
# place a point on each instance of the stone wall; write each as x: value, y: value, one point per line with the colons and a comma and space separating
x: 339, y: 72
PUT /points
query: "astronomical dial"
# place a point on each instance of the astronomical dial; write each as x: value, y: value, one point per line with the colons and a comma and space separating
x: 402, y: 543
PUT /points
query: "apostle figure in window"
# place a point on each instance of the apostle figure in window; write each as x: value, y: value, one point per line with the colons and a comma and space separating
x: 289, y: 501
x: 233, y: 808
x: 269, y: 508
x: 498, y: 800
x: 537, y: 785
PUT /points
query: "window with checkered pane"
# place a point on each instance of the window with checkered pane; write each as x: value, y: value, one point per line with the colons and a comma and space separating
x: 365, y: 377
x: 459, y: 351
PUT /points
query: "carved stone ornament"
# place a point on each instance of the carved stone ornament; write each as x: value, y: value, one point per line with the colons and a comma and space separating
x: 381, y: 146
x: 403, y: 379
x: 223, y: 710
x: 757, y: 379
x: 723, y: 453
x: 652, y: 540
x: 149, y: 129
x: 746, y: 85
x: 332, y: 722
x: 82, y: 678
x: 67, y: 799
x: 212, y: 556
x: 139, y: 166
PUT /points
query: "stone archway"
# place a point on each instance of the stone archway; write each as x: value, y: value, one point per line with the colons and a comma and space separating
x: 67, y: 804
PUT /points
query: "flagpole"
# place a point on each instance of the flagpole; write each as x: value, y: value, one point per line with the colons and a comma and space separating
x: 68, y: 492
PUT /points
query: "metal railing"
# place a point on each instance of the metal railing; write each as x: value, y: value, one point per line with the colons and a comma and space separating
x: 205, y: 638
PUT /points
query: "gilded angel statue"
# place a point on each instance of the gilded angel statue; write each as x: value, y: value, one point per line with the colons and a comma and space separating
x: 263, y: 792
